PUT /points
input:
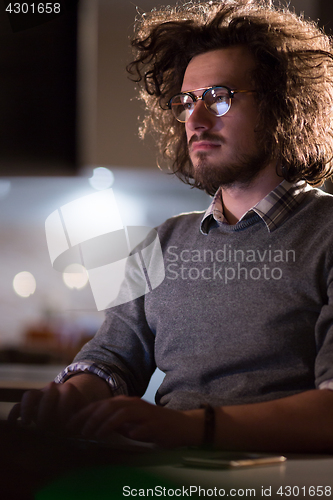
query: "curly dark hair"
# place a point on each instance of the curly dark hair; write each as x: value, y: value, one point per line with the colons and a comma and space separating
x: 293, y: 79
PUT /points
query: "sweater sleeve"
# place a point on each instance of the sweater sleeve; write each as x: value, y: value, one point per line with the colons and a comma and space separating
x: 324, y: 335
x: 124, y: 345
x: 122, y: 351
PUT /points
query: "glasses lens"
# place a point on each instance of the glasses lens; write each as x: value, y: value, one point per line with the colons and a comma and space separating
x: 218, y: 101
x: 182, y: 106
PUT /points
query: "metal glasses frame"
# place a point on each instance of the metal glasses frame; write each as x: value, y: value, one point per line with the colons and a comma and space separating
x: 195, y: 98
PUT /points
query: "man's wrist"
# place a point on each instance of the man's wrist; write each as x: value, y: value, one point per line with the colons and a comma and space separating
x: 90, y: 385
x: 194, y: 429
x: 209, y: 425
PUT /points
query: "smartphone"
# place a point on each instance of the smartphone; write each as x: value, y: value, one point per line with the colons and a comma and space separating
x: 233, y: 460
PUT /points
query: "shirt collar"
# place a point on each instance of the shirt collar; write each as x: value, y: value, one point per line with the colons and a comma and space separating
x: 273, y: 209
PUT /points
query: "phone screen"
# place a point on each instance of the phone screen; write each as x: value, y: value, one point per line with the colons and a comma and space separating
x: 233, y: 460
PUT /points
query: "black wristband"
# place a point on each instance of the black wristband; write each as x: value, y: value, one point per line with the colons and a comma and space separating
x: 209, y: 432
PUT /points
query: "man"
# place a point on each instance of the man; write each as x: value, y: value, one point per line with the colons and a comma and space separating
x: 240, y: 95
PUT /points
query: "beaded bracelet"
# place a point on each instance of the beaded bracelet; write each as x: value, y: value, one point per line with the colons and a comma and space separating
x: 209, y: 432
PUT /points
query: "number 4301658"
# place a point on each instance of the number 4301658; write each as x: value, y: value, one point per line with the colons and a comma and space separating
x: 33, y: 8
x: 303, y: 491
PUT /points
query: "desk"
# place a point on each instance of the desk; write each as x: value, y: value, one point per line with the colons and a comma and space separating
x: 27, y: 376
x: 58, y: 469
x: 302, y: 473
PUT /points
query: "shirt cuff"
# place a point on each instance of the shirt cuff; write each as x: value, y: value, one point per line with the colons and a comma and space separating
x: 328, y: 384
x: 116, y: 383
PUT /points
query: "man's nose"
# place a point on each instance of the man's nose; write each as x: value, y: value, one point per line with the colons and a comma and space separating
x: 201, y: 118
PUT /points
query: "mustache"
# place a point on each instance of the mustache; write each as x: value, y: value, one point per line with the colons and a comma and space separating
x: 206, y: 136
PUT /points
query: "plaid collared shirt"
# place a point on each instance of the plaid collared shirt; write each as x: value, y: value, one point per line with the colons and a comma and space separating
x: 116, y: 384
x: 274, y: 209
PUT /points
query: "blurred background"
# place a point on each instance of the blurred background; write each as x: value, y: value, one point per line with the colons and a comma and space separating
x: 68, y: 127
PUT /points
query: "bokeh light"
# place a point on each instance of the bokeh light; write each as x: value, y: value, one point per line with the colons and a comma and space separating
x: 75, y: 276
x: 102, y: 178
x: 24, y: 284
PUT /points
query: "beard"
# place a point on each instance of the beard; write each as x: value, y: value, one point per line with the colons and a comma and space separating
x: 241, y: 171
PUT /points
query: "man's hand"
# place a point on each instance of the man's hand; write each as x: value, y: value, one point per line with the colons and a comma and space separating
x: 139, y: 420
x: 53, y: 406
x: 50, y: 407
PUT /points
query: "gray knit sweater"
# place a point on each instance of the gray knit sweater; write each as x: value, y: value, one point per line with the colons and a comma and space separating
x: 243, y: 315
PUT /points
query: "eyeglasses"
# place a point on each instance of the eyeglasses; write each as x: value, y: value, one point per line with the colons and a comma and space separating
x: 217, y: 101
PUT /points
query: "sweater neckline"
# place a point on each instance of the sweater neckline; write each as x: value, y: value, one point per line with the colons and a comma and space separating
x: 240, y: 225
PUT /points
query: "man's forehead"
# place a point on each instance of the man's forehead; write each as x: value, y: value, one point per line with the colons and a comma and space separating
x: 230, y: 66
